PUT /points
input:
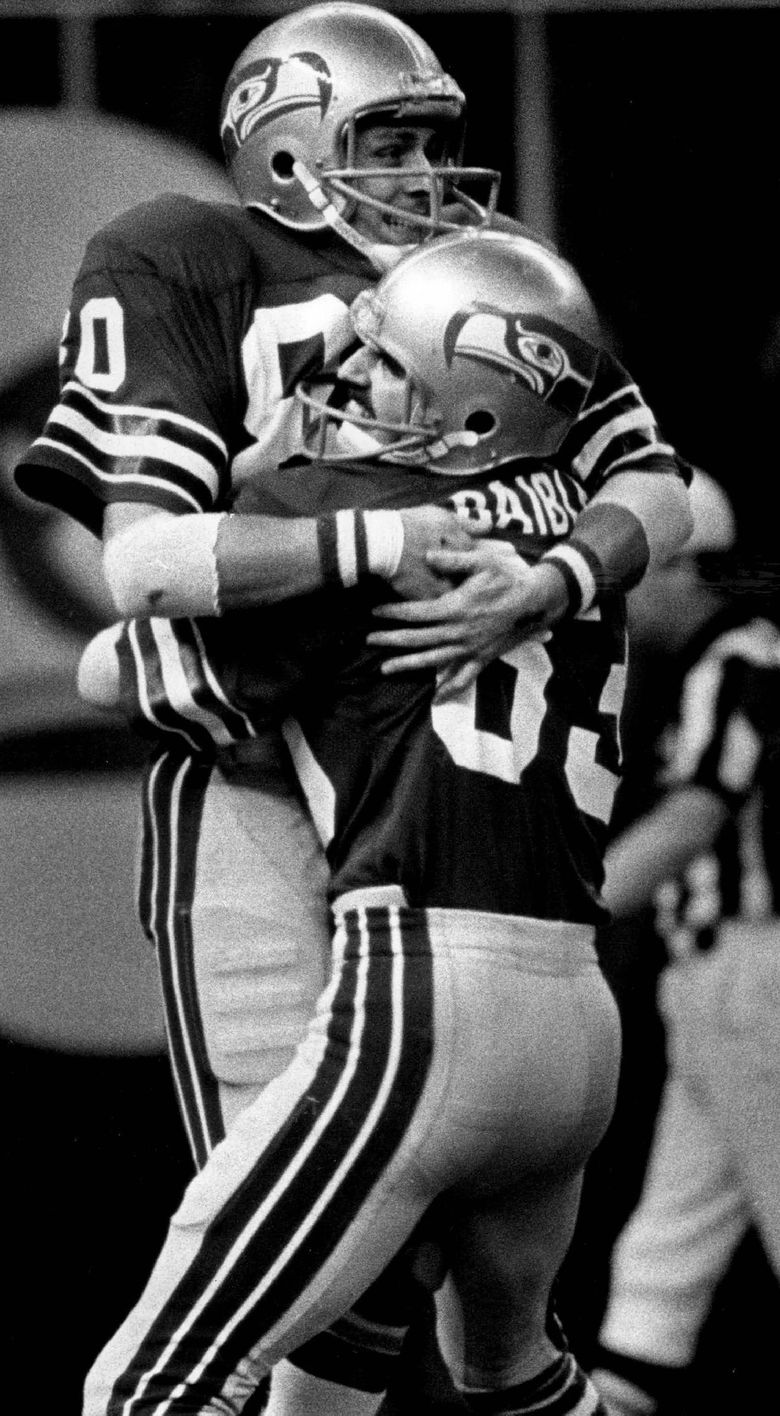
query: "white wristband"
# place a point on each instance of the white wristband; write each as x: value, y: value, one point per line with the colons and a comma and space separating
x: 577, y: 573
x: 357, y: 543
x: 384, y: 542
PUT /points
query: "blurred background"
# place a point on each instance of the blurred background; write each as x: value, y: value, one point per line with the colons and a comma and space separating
x: 641, y: 138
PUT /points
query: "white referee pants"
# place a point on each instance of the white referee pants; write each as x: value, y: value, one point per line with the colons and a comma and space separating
x: 473, y: 1055
x: 715, y: 1161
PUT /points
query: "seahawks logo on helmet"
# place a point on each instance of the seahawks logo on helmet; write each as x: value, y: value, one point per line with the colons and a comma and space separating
x: 269, y: 88
x: 529, y: 348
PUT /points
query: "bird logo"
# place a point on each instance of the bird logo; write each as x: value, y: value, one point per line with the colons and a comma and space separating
x: 269, y: 88
x: 556, y: 365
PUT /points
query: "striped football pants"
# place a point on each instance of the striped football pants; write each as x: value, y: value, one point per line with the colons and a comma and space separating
x: 232, y: 891
x: 232, y: 894
x: 451, y: 1053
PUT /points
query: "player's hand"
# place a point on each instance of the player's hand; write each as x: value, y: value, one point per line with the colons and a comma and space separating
x: 455, y: 677
x: 500, y: 602
x: 428, y: 529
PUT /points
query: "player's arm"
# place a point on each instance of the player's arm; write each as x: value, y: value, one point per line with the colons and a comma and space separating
x: 159, y: 564
x: 502, y: 600
x: 633, y: 522
x: 660, y: 846
x: 147, y: 394
x: 637, y: 513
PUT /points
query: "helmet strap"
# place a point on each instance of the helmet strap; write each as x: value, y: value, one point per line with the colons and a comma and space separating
x: 329, y: 213
x: 382, y: 257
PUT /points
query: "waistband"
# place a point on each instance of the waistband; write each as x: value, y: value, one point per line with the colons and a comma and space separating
x: 557, y: 941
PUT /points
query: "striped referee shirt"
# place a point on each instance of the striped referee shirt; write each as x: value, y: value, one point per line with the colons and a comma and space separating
x: 727, y: 739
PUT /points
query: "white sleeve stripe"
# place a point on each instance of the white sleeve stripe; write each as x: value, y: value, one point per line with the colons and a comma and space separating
x: 636, y: 420
x: 142, y: 682
x: 619, y: 396
x: 657, y: 449
x: 119, y: 479
x: 178, y: 691
x: 137, y: 446
x: 216, y: 687
x: 155, y: 415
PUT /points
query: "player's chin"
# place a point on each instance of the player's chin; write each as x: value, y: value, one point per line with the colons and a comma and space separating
x: 401, y: 230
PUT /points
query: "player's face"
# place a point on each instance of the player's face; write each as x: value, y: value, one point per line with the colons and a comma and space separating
x: 381, y: 387
x: 408, y: 154
x: 388, y: 389
x: 391, y: 397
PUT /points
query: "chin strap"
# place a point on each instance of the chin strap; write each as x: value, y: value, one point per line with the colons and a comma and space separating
x: 382, y: 257
x: 323, y: 204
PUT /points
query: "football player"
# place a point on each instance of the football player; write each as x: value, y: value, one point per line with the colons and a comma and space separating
x: 466, y: 1044
x: 189, y: 330
x: 189, y: 327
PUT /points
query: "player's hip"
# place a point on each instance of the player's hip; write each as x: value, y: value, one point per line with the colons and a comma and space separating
x: 521, y: 1031
x: 381, y: 920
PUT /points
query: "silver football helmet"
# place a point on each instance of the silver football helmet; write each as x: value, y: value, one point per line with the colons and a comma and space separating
x: 497, y: 341
x: 296, y: 95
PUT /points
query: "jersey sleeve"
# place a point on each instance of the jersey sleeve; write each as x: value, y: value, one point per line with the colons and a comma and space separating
x: 616, y: 431
x: 147, y: 393
x: 728, y: 715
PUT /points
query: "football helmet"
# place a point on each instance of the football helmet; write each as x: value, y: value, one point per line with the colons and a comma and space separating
x: 497, y: 342
x: 296, y: 94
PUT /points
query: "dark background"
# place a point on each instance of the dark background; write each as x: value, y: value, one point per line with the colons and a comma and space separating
x: 665, y: 174
x: 665, y: 191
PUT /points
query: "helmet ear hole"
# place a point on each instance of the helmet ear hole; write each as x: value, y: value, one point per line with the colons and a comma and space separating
x: 481, y: 421
x: 282, y: 166
x: 297, y: 91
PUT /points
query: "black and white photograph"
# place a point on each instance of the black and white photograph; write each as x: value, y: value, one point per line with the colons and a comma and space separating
x: 390, y: 706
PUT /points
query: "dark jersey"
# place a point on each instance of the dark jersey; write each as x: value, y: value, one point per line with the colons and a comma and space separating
x: 189, y: 327
x: 727, y: 739
x: 497, y: 801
